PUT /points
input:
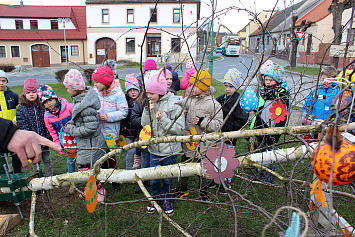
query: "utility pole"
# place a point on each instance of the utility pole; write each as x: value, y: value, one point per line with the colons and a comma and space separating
x: 211, y: 53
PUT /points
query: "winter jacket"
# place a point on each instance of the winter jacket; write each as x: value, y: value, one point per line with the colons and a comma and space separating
x: 185, y: 81
x: 237, y: 119
x: 175, y: 85
x: 128, y: 129
x: 321, y: 107
x: 85, y: 126
x: 56, y: 125
x: 31, y: 118
x: 205, y: 107
x: 171, y: 106
x: 7, y: 131
x: 136, y: 119
x: 114, y: 107
x: 8, y: 104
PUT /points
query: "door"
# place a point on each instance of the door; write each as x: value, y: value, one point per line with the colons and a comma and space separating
x: 153, y: 46
x: 40, y: 55
x: 105, y: 49
x: 64, y: 56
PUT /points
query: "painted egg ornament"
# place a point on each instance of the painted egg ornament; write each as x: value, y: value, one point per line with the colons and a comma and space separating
x: 91, y: 194
x: 145, y: 134
x: 110, y: 142
x: 69, y: 143
x: 121, y: 141
x: 322, y: 160
x: 249, y: 101
x: 191, y: 145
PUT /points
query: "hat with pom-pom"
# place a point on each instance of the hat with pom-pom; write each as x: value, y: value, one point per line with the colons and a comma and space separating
x: 74, y: 80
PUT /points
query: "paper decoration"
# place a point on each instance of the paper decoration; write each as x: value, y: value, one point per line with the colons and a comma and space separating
x: 110, y: 142
x: 191, y: 145
x: 91, y: 194
x: 278, y: 111
x: 249, y: 101
x: 121, y: 141
x: 145, y: 134
x: 69, y: 143
x: 228, y: 163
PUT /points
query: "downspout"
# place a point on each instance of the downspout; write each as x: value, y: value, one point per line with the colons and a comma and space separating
x: 83, y: 52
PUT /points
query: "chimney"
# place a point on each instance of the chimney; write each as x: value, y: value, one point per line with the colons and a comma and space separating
x: 21, y: 3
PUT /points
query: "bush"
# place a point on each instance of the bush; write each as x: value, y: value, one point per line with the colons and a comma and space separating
x: 131, y: 64
x: 88, y: 75
x: 59, y: 75
x: 7, y: 67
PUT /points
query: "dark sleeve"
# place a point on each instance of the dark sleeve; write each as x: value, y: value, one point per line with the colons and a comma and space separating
x: 21, y: 119
x: 176, y: 82
x: 7, y: 131
x: 237, y: 120
x: 137, y: 114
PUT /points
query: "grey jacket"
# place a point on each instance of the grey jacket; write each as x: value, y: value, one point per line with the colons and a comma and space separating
x: 84, y: 125
x: 204, y: 106
x: 171, y: 106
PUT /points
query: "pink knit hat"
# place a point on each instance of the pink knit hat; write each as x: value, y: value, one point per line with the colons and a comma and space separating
x: 150, y: 65
x: 131, y: 82
x: 30, y: 85
x: 189, y: 64
x: 74, y: 80
x: 104, y: 75
x: 265, y: 66
x: 157, y: 84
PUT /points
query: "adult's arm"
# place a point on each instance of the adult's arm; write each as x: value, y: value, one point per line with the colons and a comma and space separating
x: 7, y: 131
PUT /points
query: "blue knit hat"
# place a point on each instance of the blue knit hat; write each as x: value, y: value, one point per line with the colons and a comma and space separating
x: 233, y: 77
x: 276, y: 72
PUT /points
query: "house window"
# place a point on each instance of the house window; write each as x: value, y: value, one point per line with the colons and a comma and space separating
x: 34, y: 24
x: 130, y: 16
x: 19, y: 24
x: 352, y: 37
x: 74, y: 50
x: 175, y: 45
x: 130, y: 45
x: 154, y: 46
x: 176, y: 15
x: 105, y: 16
x: 153, y: 15
x: 54, y: 24
x: 2, y: 52
x: 15, y: 51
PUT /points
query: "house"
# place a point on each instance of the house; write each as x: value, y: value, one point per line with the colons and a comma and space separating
x: 242, y: 37
x: 117, y: 29
x: 42, y: 36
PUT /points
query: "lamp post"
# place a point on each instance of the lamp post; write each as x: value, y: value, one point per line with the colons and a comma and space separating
x: 211, y: 53
x: 65, y: 19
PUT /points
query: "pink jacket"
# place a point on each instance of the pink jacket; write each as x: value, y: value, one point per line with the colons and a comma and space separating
x: 56, y: 125
x: 185, y: 81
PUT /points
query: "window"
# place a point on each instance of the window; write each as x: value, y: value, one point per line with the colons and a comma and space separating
x: 176, y: 15
x: 130, y: 45
x: 352, y: 37
x: 105, y: 16
x: 2, y: 52
x: 74, y: 50
x: 130, y: 16
x: 15, y: 51
x: 175, y: 45
x: 153, y: 15
x: 154, y: 46
x: 54, y: 24
x: 19, y: 24
x: 34, y: 24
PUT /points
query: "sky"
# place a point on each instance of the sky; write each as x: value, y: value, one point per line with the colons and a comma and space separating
x: 233, y: 19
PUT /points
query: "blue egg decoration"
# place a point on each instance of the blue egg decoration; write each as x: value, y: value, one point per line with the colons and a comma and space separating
x: 249, y: 101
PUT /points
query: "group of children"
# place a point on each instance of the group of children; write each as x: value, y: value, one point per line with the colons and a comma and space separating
x: 105, y: 109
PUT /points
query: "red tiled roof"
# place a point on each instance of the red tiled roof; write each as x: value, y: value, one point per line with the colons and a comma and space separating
x: 76, y: 13
x: 317, y: 13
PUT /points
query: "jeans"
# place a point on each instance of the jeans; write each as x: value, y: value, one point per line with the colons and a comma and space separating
x: 71, y: 165
x: 155, y: 185
x: 145, y: 158
x: 129, y: 155
x: 48, y: 166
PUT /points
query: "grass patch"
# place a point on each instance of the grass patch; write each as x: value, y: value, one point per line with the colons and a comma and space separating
x: 129, y: 65
x: 304, y: 70
x: 216, y: 57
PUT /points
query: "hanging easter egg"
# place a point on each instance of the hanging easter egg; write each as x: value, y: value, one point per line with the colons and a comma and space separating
x: 121, y: 141
x: 91, y: 194
x: 69, y: 143
x: 191, y: 145
x: 110, y: 142
x: 145, y: 134
x: 248, y: 101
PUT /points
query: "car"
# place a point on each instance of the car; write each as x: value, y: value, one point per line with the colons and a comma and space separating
x: 218, y: 50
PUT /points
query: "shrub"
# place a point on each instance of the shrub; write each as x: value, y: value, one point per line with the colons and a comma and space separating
x: 88, y: 75
x: 59, y: 75
x: 7, y: 67
x: 131, y: 64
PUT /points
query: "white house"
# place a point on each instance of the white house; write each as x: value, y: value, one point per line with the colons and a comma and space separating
x: 116, y: 29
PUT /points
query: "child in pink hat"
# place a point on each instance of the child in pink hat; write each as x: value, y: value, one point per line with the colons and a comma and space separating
x: 185, y: 81
x: 164, y: 108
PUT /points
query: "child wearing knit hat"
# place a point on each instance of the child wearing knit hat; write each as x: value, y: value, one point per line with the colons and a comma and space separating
x: 84, y: 123
x: 185, y: 81
x: 30, y: 117
x: 164, y: 108
x: 203, y: 113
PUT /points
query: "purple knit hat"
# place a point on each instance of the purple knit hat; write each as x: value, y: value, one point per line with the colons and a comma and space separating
x: 30, y: 85
x: 157, y: 84
x: 74, y: 80
x: 150, y: 64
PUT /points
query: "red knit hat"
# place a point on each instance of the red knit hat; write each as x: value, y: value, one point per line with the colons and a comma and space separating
x: 103, y: 75
x: 30, y: 85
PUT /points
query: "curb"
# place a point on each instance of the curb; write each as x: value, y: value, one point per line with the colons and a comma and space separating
x: 299, y: 74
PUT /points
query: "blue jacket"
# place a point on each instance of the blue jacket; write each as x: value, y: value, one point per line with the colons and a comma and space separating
x: 8, y: 104
x: 321, y: 107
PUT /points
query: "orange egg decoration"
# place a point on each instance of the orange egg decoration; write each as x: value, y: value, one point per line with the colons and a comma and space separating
x: 91, y: 194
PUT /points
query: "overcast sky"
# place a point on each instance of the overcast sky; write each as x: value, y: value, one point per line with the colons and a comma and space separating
x: 233, y: 19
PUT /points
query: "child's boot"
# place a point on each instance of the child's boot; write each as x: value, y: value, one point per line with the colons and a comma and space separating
x: 137, y: 162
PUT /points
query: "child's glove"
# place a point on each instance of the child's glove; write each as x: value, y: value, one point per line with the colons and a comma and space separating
x: 294, y: 228
x: 199, y: 121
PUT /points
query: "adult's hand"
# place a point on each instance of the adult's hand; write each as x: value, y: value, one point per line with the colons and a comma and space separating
x: 26, y: 145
